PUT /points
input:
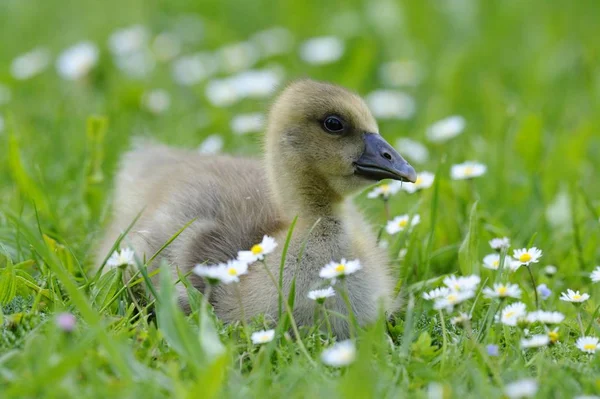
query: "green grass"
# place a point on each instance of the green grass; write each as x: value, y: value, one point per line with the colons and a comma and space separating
x: 525, y: 77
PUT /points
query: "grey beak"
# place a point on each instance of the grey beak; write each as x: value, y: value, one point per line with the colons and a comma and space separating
x: 381, y: 161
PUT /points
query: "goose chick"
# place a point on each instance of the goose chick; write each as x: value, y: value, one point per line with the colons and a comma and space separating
x: 321, y: 145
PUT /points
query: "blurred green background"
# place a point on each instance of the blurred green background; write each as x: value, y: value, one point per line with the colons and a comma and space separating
x: 524, y: 75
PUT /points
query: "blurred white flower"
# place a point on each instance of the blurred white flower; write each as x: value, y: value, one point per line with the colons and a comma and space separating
x: 462, y: 283
x: 526, y: 388
x: 236, y: 57
x: 512, y: 313
x: 342, y: 268
x: 322, y: 50
x: 385, y: 190
x: 258, y: 251
x: 545, y: 317
x: 339, y: 355
x: 462, y: 318
x: 223, y: 272
x: 400, y: 73
x: 467, y: 170
x: 595, y: 276
x: 550, y: 270
x: 247, y: 123
x: 128, y: 40
x: 166, y: 46
x: 5, y: 95
x: 401, y: 223
x: 273, y: 41
x: 262, y: 337
x: 123, y: 257
x: 436, y: 293
x: 212, y: 273
x: 413, y: 150
x: 247, y: 84
x: 500, y: 243
x: 32, y: 63
x: 211, y: 145
x: 574, y: 296
x: 558, y: 212
x: 156, y: 101
x: 587, y: 344
x: 321, y: 295
x: 390, y: 104
x: 192, y: 69
x: 492, y: 261
x: 452, y: 299
x: 526, y: 256
x: 503, y: 291
x: 77, y: 61
x: 136, y: 65
x: 445, y: 129
x: 424, y: 180
x: 535, y: 341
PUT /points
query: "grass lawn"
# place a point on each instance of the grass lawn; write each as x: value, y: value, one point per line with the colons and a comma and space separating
x: 520, y: 82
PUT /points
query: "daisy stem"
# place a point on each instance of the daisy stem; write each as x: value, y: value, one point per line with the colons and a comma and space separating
x: 386, y: 208
x: 329, y: 330
x: 537, y: 301
x: 579, y: 321
x: 444, y: 339
x: 351, y: 319
x: 243, y: 314
x: 291, y: 316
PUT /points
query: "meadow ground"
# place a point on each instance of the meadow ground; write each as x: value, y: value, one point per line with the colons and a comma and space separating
x: 520, y: 82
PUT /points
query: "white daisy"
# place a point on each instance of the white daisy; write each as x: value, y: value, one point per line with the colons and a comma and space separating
x: 128, y: 40
x: 595, y: 276
x: 30, y: 64
x: 247, y: 123
x: 436, y: 293
x: 492, y: 261
x: 212, y: 273
x: 413, y: 150
x: 545, y: 317
x: 526, y: 256
x: 550, y: 270
x: 123, y: 257
x: 322, y: 50
x: 77, y: 61
x: 262, y: 337
x: 512, y: 313
x: 445, y: 129
x: 401, y: 223
x: 258, y: 251
x: 503, y: 291
x: 156, y: 101
x: 574, y: 296
x: 390, y: 104
x: 211, y: 145
x: 462, y: 318
x: 385, y: 190
x: 339, y: 355
x: 321, y: 295
x: 535, y: 341
x: 525, y: 388
x: 462, y: 283
x: 500, y: 243
x: 452, y: 299
x: 588, y: 344
x: 467, y: 170
x: 424, y: 180
x: 342, y: 268
x: 232, y: 270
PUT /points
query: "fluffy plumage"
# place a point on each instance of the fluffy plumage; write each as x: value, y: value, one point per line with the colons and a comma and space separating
x: 235, y: 201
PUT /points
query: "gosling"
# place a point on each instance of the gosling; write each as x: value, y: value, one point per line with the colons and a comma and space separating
x: 321, y: 145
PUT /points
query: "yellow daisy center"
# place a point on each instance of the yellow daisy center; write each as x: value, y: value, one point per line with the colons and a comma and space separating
x: 232, y: 272
x: 589, y: 347
x: 502, y: 290
x: 576, y: 297
x: 525, y: 257
x: 553, y: 335
x: 469, y: 170
x: 496, y: 263
x: 452, y: 297
x: 402, y: 223
x: 419, y: 180
x: 256, y: 249
x: 384, y: 188
x: 510, y: 313
x: 340, y: 268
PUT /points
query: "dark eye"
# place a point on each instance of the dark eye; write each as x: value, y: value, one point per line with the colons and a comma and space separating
x: 333, y: 124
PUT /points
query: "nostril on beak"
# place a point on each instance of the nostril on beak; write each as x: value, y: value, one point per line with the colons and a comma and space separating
x: 386, y: 155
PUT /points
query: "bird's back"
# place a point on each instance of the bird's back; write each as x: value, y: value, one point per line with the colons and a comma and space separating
x: 225, y: 198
